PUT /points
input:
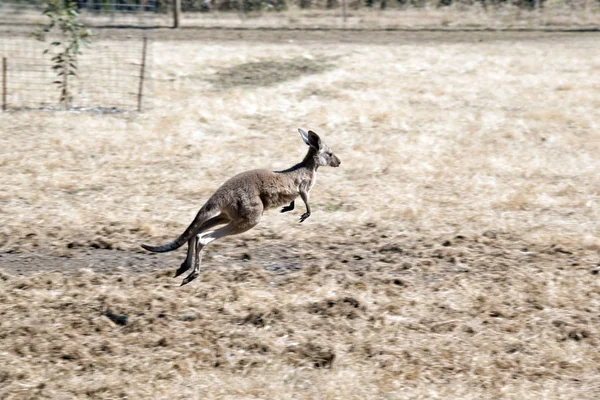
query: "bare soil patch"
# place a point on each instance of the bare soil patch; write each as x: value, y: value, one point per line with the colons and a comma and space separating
x: 267, y: 73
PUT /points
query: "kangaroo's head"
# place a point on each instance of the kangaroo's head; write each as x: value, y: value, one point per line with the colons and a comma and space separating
x: 320, y: 151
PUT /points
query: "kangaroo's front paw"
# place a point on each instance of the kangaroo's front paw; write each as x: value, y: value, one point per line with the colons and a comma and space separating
x: 304, y: 216
x: 286, y: 209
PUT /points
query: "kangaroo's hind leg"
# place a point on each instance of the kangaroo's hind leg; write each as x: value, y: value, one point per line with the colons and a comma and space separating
x: 239, y: 225
x: 187, y: 264
x: 192, y: 243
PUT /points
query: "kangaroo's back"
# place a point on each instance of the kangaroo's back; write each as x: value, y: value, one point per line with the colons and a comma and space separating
x: 272, y: 189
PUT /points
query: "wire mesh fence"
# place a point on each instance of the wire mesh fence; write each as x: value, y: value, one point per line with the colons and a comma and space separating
x: 111, y: 76
x: 309, y: 13
x: 283, y: 5
x: 93, y: 12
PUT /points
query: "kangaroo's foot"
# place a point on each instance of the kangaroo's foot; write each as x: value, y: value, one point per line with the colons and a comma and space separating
x: 190, y: 277
x: 184, y: 267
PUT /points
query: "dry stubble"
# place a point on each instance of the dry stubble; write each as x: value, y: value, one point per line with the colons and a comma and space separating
x: 454, y: 253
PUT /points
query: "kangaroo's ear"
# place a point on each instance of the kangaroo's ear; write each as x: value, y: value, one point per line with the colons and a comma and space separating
x: 304, y: 136
x: 314, y: 140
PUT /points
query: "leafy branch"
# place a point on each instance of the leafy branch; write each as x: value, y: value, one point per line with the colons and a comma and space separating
x: 73, y: 35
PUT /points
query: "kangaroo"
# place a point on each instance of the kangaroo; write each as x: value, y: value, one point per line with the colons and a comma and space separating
x: 240, y: 202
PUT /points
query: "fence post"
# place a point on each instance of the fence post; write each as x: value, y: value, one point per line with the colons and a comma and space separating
x: 4, y: 84
x: 176, y: 13
x: 241, y: 9
x: 344, y: 7
x: 142, y: 71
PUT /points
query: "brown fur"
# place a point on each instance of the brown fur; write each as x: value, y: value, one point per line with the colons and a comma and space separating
x: 240, y: 202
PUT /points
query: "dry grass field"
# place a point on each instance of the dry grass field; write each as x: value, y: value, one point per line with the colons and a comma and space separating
x: 455, y: 254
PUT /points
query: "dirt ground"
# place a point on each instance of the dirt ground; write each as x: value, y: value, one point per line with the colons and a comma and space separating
x: 359, y: 316
x: 364, y: 36
x: 454, y: 254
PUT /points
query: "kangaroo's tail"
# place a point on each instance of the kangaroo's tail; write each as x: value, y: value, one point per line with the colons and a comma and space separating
x: 203, y: 215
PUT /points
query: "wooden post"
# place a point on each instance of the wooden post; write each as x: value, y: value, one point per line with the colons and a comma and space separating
x: 344, y: 9
x: 176, y: 13
x: 241, y: 9
x: 4, y: 84
x: 142, y: 71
